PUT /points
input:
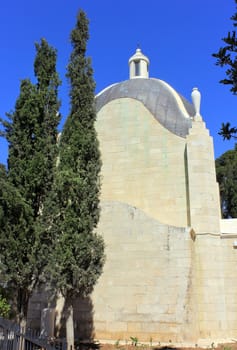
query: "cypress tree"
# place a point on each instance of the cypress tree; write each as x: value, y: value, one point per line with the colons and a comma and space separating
x: 78, y: 257
x: 32, y: 136
x: 16, y: 252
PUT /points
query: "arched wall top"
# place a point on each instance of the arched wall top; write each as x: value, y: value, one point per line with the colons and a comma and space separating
x: 172, y: 110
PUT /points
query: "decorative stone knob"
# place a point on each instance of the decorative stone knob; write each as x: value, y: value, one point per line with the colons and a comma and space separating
x: 196, y: 98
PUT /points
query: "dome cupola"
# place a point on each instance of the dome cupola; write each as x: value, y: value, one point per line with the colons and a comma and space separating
x: 138, y: 65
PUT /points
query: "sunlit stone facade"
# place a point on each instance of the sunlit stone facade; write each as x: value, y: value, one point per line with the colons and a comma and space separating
x: 170, y: 261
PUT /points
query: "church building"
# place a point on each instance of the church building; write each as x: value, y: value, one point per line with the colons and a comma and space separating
x: 171, y: 262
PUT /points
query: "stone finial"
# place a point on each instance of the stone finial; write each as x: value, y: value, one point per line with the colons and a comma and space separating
x: 196, y: 98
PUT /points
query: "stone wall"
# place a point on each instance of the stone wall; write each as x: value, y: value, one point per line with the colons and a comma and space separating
x: 229, y: 264
x: 170, y: 272
x: 146, y: 288
x: 143, y: 163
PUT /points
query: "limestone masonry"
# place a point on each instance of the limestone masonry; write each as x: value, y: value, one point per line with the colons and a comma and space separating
x: 171, y: 262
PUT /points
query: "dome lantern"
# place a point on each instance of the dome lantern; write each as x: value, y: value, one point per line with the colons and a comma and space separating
x: 138, y: 65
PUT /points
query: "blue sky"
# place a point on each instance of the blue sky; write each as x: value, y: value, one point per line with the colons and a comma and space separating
x: 178, y: 36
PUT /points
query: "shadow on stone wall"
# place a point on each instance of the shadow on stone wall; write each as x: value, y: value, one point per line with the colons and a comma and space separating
x: 83, y: 316
x: 83, y: 320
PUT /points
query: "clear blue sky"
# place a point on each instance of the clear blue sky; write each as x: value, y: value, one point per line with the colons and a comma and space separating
x: 178, y: 36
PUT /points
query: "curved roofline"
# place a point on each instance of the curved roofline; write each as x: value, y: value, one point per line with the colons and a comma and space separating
x: 171, y: 109
x: 102, y: 91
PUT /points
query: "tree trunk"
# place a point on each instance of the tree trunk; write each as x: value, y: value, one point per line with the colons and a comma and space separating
x: 69, y: 326
x: 23, y: 300
x: 22, y: 332
x: 59, y: 310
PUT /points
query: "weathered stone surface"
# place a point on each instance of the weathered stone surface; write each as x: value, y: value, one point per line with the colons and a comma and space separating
x: 170, y: 271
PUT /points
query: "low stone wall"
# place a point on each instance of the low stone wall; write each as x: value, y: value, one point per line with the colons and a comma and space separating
x: 146, y: 287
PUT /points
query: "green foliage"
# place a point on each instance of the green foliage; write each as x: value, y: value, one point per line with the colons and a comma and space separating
x: 72, y: 213
x: 117, y: 343
x: 4, y: 307
x: 31, y: 132
x: 15, y: 221
x: 49, y: 195
x: 150, y: 341
x: 227, y: 131
x: 226, y: 170
x: 226, y: 57
x: 134, y: 341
